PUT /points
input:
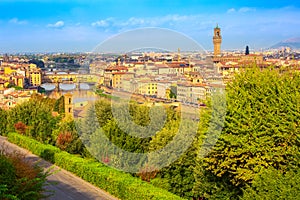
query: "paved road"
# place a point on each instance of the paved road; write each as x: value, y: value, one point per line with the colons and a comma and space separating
x: 67, y: 186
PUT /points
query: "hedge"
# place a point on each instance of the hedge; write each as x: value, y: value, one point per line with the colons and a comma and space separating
x: 117, y: 183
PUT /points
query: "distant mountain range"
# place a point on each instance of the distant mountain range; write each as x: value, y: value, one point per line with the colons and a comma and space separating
x: 293, y: 43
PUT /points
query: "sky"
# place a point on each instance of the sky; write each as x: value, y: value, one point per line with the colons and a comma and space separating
x: 81, y: 25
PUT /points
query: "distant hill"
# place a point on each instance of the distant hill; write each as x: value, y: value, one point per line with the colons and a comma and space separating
x: 293, y: 43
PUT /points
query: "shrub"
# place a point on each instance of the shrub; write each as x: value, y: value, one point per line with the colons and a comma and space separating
x: 20, y: 127
x: 63, y: 140
x: 19, y: 178
x: 273, y: 184
x: 118, y: 183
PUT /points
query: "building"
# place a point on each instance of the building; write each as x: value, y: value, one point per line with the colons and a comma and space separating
x: 118, y: 77
x: 68, y: 101
x: 34, y: 75
x: 194, y: 77
x: 147, y: 87
x: 18, y: 81
x: 242, y: 60
x: 217, y: 40
x: 109, y: 74
x: 191, y: 93
x: 164, y: 89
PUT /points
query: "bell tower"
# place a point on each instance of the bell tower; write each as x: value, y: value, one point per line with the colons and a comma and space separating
x: 217, y: 40
x: 68, y: 98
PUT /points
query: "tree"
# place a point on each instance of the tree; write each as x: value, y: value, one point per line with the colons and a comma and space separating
x: 59, y: 105
x: 103, y: 111
x: 247, y: 50
x: 67, y: 137
x: 36, y: 114
x: 273, y: 184
x: 3, y: 120
x: 261, y: 127
x: 178, y: 176
x: 39, y: 63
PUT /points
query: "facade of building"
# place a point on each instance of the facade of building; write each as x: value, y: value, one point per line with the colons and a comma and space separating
x: 217, y: 40
x: 147, y: 87
x: 192, y: 93
x: 163, y: 89
x: 35, y: 77
x: 68, y: 101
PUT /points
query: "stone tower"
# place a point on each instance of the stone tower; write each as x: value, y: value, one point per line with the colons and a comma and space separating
x: 68, y: 105
x: 217, y: 40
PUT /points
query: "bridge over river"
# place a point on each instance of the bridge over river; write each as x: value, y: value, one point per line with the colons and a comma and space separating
x: 58, y: 77
x: 69, y: 81
x: 67, y: 86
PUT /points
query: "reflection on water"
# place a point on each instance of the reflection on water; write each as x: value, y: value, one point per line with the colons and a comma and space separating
x: 78, y: 94
x: 80, y: 97
x: 66, y: 86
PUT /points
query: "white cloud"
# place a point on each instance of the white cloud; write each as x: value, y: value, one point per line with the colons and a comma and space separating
x: 103, y: 22
x: 100, y: 23
x: 17, y: 21
x: 246, y: 9
x: 241, y: 10
x: 231, y: 10
x: 58, y: 24
x: 154, y: 21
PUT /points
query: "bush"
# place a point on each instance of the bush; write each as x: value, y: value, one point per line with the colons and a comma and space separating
x: 117, y: 183
x: 20, y: 127
x: 273, y: 184
x: 20, y: 179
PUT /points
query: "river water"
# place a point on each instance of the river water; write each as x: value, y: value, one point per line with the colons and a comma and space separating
x: 81, y: 95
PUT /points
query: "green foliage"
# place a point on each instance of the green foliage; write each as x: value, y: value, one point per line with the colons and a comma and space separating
x: 67, y: 130
x: 273, y: 184
x: 107, y: 96
x: 159, y: 124
x: 7, y: 173
x: 19, y: 179
x: 5, y: 193
x: 88, y: 125
x: 178, y: 175
x: 103, y: 111
x: 208, y: 185
x: 116, y: 130
x: 120, y: 184
x: 262, y: 126
x: 261, y: 130
x: 36, y: 114
x: 59, y: 105
x: 3, y: 120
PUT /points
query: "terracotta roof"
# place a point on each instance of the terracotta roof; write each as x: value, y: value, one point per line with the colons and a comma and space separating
x: 122, y: 73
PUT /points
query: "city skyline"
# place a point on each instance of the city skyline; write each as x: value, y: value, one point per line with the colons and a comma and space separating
x: 79, y: 26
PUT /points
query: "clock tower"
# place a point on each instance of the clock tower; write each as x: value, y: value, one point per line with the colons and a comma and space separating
x: 217, y: 40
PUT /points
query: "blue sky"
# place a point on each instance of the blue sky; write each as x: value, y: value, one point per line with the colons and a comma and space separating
x: 79, y: 25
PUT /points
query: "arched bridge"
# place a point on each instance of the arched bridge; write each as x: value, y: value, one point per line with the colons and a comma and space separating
x: 71, y: 77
